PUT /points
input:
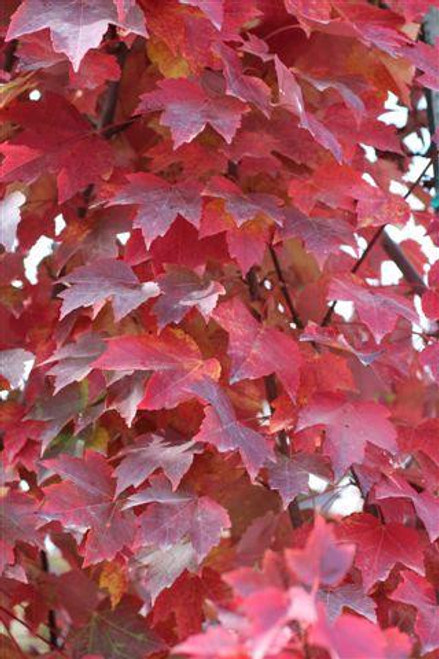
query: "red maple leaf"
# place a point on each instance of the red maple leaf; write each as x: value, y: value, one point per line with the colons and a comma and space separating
x: 84, y: 502
x: 323, y: 560
x: 18, y: 523
x: 57, y: 139
x: 174, y: 358
x: 94, y: 284
x: 172, y: 515
x: 425, y: 504
x: 381, y: 546
x: 221, y: 428
x: 290, y: 475
x: 182, y: 290
x: 75, y: 25
x: 256, y: 350
x: 378, y: 308
x: 418, y: 592
x: 159, y: 203
x: 188, y: 109
x: 147, y: 454
x: 349, y: 425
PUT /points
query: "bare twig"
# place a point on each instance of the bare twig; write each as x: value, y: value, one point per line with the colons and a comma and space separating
x: 51, y: 616
x: 285, y: 292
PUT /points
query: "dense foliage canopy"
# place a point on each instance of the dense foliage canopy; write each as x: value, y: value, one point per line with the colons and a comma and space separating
x: 201, y: 348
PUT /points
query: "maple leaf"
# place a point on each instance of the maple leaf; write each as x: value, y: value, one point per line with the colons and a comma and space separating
x: 94, y: 284
x: 418, y: 592
x: 153, y: 570
x: 348, y: 427
x: 290, y: 475
x: 148, y: 454
x: 84, y: 502
x: 188, y: 108
x: 247, y: 88
x: 181, y: 290
x: 291, y: 97
x: 222, y: 429
x: 244, y: 207
x: 378, y: 308
x: 75, y: 25
x: 323, y: 560
x: 247, y: 244
x: 18, y: 523
x: 381, y: 546
x: 349, y: 596
x: 322, y: 236
x: 125, y: 395
x: 74, y: 360
x: 379, y: 207
x: 170, y: 516
x: 213, y: 10
x: 56, y: 139
x: 183, y: 601
x: 159, y: 203
x: 425, y: 504
x: 117, y: 633
x: 257, y: 351
x: 174, y: 358
x: 183, y: 246
x: 10, y: 216
x: 346, y: 633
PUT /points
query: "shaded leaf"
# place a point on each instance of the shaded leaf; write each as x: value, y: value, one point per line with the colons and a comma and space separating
x: 55, y: 138
x: 94, y: 284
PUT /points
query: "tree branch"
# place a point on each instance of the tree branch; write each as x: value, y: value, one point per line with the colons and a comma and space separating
x: 51, y: 616
x: 285, y: 292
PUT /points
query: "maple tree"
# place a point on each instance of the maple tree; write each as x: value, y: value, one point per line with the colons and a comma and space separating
x: 209, y: 354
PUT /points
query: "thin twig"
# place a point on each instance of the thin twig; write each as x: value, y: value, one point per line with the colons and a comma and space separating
x: 27, y: 626
x: 285, y: 292
x: 51, y: 616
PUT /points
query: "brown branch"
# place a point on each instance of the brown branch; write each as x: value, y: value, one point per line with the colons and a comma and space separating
x: 109, y: 105
x: 51, y: 616
x: 283, y: 287
x: 393, y: 250
x: 9, y: 57
x: 25, y: 624
x: 396, y: 253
